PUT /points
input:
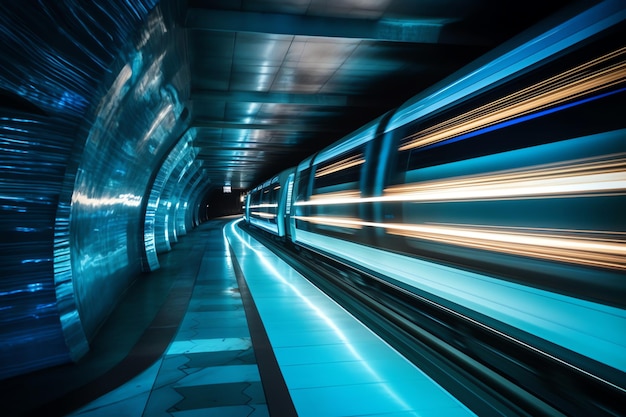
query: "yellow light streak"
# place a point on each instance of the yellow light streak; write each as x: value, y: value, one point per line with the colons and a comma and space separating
x: 345, y: 222
x: 265, y: 205
x: 584, y: 247
x: 340, y: 165
x: 352, y: 194
x: 601, y: 252
x: 579, y: 178
x: 569, y: 85
x: 263, y: 214
x: 584, y: 178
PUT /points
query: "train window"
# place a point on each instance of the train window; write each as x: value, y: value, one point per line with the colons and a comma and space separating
x: 265, y: 196
x: 563, y: 100
x: 302, y: 185
x: 273, y: 192
x: 289, y: 193
x: 255, y: 198
x: 339, y: 174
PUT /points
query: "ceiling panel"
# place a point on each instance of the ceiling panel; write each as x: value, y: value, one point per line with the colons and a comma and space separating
x: 273, y: 80
x: 260, y: 49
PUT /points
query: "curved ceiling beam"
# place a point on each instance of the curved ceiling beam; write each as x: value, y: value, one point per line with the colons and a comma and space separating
x: 336, y: 100
x: 424, y: 30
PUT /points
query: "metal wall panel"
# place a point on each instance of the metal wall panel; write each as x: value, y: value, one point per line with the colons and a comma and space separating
x: 92, y: 100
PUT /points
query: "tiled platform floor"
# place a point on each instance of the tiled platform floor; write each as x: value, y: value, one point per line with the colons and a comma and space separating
x: 192, y: 328
x: 333, y: 366
x: 210, y: 367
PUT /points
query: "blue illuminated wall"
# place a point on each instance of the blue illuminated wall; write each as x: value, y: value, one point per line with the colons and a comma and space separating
x: 134, y: 125
x: 164, y: 204
x: 93, y: 101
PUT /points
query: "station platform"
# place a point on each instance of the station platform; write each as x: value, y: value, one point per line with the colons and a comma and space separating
x: 228, y: 329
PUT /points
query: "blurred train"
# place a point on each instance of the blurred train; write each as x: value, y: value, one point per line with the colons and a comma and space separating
x: 512, y: 171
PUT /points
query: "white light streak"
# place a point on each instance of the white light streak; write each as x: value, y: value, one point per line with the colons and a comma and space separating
x: 568, y: 179
x: 585, y: 247
x: 129, y: 200
x: 569, y: 85
x: 340, y: 165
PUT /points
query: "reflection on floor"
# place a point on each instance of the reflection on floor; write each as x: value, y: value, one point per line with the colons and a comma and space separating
x: 331, y: 363
x: 210, y: 368
x: 227, y: 329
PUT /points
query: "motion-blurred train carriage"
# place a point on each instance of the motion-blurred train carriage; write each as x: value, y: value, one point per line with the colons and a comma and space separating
x: 499, y: 192
x: 516, y: 170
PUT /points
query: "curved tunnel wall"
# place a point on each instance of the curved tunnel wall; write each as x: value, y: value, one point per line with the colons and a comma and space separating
x: 179, y: 209
x: 155, y: 225
x: 183, y: 217
x: 133, y: 128
x: 164, y: 219
x: 97, y: 96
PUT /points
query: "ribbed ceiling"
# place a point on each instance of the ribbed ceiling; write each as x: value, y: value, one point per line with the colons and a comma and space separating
x: 272, y: 81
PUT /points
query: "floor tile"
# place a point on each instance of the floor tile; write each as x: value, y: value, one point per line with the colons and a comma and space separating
x: 128, y: 400
x: 172, y: 370
x: 227, y: 411
x: 300, y: 355
x: 329, y: 374
x: 332, y: 365
x: 220, y: 358
x: 211, y: 395
x: 209, y: 345
x: 222, y: 375
x: 161, y: 400
x: 353, y: 400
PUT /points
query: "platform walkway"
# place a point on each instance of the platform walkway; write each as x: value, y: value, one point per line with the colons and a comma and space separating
x: 225, y: 328
x: 331, y: 363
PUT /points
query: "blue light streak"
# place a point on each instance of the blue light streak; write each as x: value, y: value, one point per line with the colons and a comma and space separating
x: 522, y: 119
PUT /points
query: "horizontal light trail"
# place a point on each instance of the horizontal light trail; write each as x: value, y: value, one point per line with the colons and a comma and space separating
x: 569, y: 85
x: 340, y: 165
x: 263, y: 215
x: 349, y: 195
x: 256, y: 206
x: 586, y: 247
x: 350, y: 223
x: 582, y: 178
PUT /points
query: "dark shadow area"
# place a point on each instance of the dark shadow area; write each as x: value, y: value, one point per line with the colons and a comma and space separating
x: 217, y: 203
